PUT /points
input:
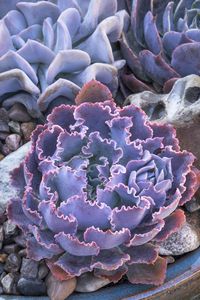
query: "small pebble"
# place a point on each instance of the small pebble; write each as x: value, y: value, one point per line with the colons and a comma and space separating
x: 20, y: 240
x: 8, y: 283
x: 19, y: 113
x: 22, y: 253
x: 3, y: 135
x: 11, y: 248
x: 3, y: 257
x: 1, y: 268
x: 14, y: 126
x: 13, y: 263
x: 193, y: 205
x: 27, y: 129
x: 4, y: 115
x: 5, y: 150
x: 59, y: 290
x: 2, y: 275
x: 13, y: 141
x: 4, y: 127
x: 1, y: 236
x: 10, y: 229
x: 30, y: 287
x: 14, y: 289
x: 170, y: 259
x: 1, y: 290
x: 29, y: 268
x: 3, y: 216
x: 43, y: 271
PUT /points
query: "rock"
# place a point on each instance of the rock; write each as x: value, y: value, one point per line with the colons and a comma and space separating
x: 181, y: 108
x: 59, y: 290
x: 14, y: 127
x: 11, y: 248
x: 1, y: 290
x: 3, y: 217
x: 89, y: 283
x: 14, y: 289
x: 43, y: 271
x: 19, y: 113
x: 13, y: 263
x: 6, y: 166
x: 3, y: 135
x: 3, y: 257
x: 1, y: 268
x: 4, y: 127
x: 27, y: 129
x: 31, y: 287
x: 22, y: 253
x: 5, y: 150
x: 1, y: 156
x: 8, y: 283
x: 2, y: 275
x: 10, y: 229
x: 170, y: 259
x: 1, y: 236
x: 194, y: 204
x: 20, y: 240
x: 185, y: 240
x: 4, y: 115
x: 13, y: 141
x: 29, y: 268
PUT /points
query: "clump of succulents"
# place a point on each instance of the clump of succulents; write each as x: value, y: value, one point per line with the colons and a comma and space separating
x: 162, y: 45
x: 49, y: 49
x: 100, y: 188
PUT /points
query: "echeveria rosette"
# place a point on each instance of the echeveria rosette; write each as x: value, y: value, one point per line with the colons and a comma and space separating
x: 49, y: 49
x: 163, y: 44
x: 100, y: 188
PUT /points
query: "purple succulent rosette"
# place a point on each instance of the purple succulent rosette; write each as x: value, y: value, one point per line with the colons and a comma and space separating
x: 163, y: 44
x: 99, y: 189
x: 49, y: 49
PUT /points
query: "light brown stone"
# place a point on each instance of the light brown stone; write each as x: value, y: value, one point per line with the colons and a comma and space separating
x: 27, y: 128
x: 59, y: 290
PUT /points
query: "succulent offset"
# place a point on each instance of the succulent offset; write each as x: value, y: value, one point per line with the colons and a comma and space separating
x: 49, y: 49
x: 100, y: 188
x: 162, y: 45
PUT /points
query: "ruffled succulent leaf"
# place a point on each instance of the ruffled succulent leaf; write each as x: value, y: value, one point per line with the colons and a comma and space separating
x: 100, y: 189
x: 148, y: 273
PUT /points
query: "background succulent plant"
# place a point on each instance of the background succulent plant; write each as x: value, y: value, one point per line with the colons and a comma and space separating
x: 95, y: 192
x: 162, y: 45
x: 49, y: 49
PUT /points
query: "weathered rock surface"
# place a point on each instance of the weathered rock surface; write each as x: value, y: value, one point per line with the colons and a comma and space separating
x: 181, y: 108
x: 6, y: 166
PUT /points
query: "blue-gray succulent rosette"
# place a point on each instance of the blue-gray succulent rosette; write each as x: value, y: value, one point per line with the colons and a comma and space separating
x: 50, y: 49
x: 99, y: 190
x: 163, y: 44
